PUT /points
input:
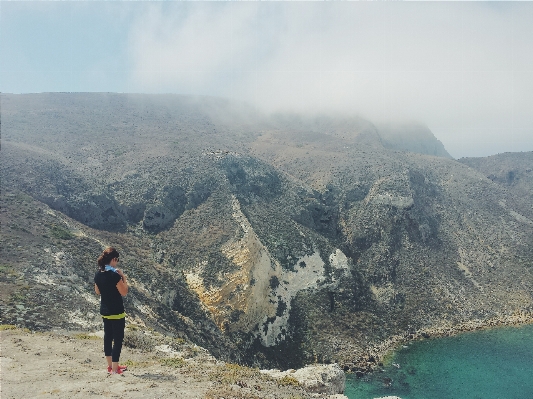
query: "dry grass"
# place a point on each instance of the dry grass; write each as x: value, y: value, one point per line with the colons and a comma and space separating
x: 231, y: 373
x: 176, y: 362
x: 135, y: 364
x: 7, y: 327
x: 85, y: 336
x: 228, y: 393
x: 288, y: 381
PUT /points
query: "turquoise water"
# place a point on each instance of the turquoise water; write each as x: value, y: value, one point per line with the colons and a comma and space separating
x: 491, y: 364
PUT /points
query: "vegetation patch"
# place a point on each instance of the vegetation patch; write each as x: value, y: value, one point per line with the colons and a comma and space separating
x: 8, y: 271
x: 4, y: 327
x: 230, y: 373
x: 61, y: 233
x: 227, y: 392
x: 274, y: 282
x: 132, y: 363
x: 176, y: 362
x: 178, y: 341
x: 20, y: 294
x: 7, y: 327
x: 137, y: 340
x: 288, y: 381
x: 4, y: 268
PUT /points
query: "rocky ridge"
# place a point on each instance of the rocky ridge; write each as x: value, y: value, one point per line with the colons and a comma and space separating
x: 270, y: 241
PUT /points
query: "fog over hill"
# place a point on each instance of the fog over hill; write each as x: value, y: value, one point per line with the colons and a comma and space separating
x: 274, y: 240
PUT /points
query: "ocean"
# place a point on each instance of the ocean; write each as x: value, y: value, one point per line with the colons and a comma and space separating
x: 487, y: 364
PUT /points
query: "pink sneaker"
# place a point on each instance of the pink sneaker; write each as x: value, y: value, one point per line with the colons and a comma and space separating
x: 119, y: 371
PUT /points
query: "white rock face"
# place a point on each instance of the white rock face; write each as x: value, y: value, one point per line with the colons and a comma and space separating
x: 260, y: 289
x: 291, y: 282
x: 328, y: 379
x: 396, y: 193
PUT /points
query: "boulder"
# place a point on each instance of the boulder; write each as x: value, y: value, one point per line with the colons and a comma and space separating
x: 326, y: 379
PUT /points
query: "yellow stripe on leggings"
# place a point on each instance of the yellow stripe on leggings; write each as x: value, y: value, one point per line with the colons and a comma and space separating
x: 115, y: 316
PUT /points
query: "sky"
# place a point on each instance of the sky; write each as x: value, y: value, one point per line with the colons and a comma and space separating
x: 464, y: 69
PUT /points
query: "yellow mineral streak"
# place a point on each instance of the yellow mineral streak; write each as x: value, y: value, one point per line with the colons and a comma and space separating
x: 238, y: 294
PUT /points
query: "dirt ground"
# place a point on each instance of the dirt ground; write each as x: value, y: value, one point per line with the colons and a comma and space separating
x: 72, y: 365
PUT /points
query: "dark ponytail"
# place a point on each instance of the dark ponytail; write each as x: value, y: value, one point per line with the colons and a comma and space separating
x: 107, y: 256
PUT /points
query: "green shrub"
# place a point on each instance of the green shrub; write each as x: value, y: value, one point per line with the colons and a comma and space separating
x: 138, y: 340
x: 61, y: 233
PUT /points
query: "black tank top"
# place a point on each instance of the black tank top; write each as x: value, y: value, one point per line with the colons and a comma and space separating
x: 111, y: 300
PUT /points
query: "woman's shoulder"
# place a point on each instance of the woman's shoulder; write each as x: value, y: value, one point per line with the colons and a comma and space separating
x: 106, y: 275
x: 99, y: 274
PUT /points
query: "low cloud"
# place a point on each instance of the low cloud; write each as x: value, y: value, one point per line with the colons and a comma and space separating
x: 464, y: 69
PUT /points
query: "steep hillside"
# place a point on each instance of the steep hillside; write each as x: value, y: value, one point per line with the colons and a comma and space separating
x: 514, y: 173
x: 274, y: 241
x: 413, y: 138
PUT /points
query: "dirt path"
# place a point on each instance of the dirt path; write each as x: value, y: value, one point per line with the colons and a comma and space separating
x: 69, y: 365
x: 58, y: 366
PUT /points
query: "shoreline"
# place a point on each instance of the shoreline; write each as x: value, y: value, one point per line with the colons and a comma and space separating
x: 374, y: 355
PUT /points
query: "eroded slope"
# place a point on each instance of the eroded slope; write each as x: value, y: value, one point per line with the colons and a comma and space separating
x: 275, y: 242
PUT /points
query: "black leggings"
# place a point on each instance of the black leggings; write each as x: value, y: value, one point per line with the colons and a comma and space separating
x: 113, y: 337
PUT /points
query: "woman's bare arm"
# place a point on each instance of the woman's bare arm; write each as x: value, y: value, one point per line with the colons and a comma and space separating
x: 122, y: 285
x: 96, y: 289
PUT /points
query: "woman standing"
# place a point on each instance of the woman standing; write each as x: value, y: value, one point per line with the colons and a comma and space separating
x: 111, y: 284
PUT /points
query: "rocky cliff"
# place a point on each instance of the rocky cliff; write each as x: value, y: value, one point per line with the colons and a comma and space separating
x: 275, y: 241
x: 412, y: 137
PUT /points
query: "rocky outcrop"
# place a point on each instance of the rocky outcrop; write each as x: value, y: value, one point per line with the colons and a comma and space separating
x: 328, y: 379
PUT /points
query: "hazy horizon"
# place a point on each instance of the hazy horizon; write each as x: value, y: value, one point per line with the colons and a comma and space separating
x: 465, y: 70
